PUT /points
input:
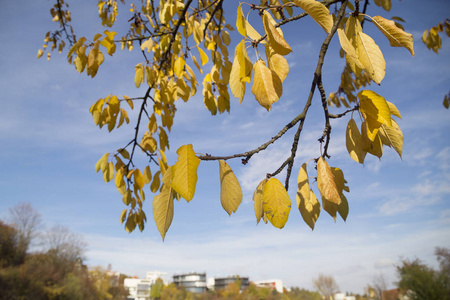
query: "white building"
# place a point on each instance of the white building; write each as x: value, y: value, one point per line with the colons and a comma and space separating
x: 342, y: 296
x: 139, y: 289
x: 274, y: 284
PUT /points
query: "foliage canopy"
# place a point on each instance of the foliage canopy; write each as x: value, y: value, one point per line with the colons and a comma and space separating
x: 182, y: 43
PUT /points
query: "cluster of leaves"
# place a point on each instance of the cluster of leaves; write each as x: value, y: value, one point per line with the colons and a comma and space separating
x: 433, y: 41
x: 177, y: 37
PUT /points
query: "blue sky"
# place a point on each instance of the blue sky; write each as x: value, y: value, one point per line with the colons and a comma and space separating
x: 398, y: 207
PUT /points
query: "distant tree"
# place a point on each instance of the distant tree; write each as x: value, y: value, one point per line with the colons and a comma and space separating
x: 301, y: 294
x: 421, y: 282
x: 9, y: 246
x: 27, y: 222
x: 375, y: 290
x: 156, y: 290
x: 326, y: 285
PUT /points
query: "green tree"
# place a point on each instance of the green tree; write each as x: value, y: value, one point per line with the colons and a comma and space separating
x: 422, y: 282
x: 180, y: 43
x: 156, y: 290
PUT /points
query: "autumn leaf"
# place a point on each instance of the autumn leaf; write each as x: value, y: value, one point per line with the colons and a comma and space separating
x: 163, y: 210
x: 267, y: 86
x: 276, y: 202
x: 185, y: 172
x: 277, y: 63
x: 353, y: 142
x: 326, y: 183
x: 240, y: 21
x: 375, y: 109
x: 396, y: 36
x: 275, y: 39
x: 392, y: 137
x: 258, y: 200
x: 230, y: 189
x: 318, y: 12
x: 307, y: 202
x: 350, y: 51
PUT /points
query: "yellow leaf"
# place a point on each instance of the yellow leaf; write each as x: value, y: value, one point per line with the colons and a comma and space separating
x: 252, y: 33
x: 147, y: 44
x: 139, y: 75
x: 277, y: 63
x: 147, y: 175
x: 326, y: 183
x: 185, y: 172
x: 203, y: 57
x: 240, y: 21
x: 237, y: 86
x: 267, y: 86
x: 330, y: 207
x: 303, y: 184
x: 343, y: 208
x: 148, y: 143
x: 353, y: 142
x: 369, y: 55
x: 350, y: 51
x: 156, y: 182
x: 230, y: 190
x: 309, y: 208
x: 374, y: 106
x: 123, y: 216
x: 276, y: 202
x: 163, y: 210
x: 318, y: 12
x: 393, y: 136
x: 258, y: 202
x: 396, y: 36
x: 371, y: 142
x: 101, y: 163
x: 245, y: 65
x: 108, y: 174
x: 139, y: 179
x: 275, y: 39
x: 179, y: 66
x: 40, y: 53
x: 120, y: 183
x: 394, y: 110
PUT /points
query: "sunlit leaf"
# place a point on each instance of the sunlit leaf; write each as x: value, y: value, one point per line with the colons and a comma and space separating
x: 318, y: 12
x: 276, y: 202
x: 185, y: 172
x: 240, y: 21
x: 326, y: 183
x: 275, y: 39
x: 258, y: 200
x: 163, y: 210
x: 267, y: 86
x: 230, y: 189
x: 353, y: 142
x: 397, y: 37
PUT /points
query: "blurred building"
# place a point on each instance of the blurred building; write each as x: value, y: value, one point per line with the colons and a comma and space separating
x: 218, y: 283
x: 274, y: 284
x: 192, y: 282
x: 139, y: 289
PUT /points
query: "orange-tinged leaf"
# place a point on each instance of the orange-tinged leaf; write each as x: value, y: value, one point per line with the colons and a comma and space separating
x: 230, y: 189
x: 318, y: 12
x: 326, y: 183
x: 185, y: 172
x: 396, y: 36
x: 276, y: 202
x: 275, y: 39
x: 267, y: 86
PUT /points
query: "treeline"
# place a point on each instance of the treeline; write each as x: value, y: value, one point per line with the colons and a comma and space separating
x: 54, y: 269
x: 231, y: 291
